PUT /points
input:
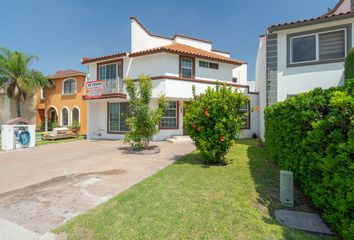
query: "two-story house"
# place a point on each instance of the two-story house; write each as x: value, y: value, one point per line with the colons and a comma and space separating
x: 62, y: 104
x: 174, y: 64
x: 299, y: 56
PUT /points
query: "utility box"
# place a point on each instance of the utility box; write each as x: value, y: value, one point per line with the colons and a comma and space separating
x: 16, y: 134
x: 287, y: 188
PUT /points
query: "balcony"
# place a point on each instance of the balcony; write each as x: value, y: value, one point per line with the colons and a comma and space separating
x: 104, y: 89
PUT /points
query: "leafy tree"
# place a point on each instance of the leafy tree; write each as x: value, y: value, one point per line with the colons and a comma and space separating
x: 143, y: 121
x: 21, y: 81
x: 349, y: 65
x: 213, y: 120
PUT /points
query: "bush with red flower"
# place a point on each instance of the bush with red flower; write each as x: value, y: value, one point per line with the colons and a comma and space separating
x: 213, y: 121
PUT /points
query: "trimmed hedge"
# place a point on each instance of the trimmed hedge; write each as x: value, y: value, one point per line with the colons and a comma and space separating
x: 312, y: 135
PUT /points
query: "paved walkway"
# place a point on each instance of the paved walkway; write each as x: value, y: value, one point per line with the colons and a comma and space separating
x: 43, y: 187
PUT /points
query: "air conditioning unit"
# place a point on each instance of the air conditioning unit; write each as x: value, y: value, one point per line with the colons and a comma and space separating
x: 287, y: 188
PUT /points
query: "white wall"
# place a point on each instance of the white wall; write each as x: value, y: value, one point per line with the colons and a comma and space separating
x: 141, y: 40
x: 224, y: 73
x: 294, y: 80
x: 261, y: 82
x: 194, y: 43
x: 240, y: 73
x: 159, y: 64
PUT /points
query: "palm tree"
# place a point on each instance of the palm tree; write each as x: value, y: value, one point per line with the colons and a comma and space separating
x: 17, y: 78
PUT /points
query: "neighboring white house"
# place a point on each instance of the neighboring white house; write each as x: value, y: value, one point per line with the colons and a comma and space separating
x: 175, y: 65
x: 299, y: 56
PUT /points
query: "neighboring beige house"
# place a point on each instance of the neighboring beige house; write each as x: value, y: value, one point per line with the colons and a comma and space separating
x: 8, y: 108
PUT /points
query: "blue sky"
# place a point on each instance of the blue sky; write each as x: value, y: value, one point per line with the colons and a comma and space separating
x: 62, y: 32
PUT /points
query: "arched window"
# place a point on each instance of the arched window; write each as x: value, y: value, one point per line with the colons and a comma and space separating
x: 75, y: 114
x: 69, y: 86
x: 64, y: 117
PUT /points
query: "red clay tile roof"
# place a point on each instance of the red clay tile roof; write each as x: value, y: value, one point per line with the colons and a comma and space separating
x: 179, y: 48
x: 324, y: 17
x: 115, y: 55
x: 66, y: 73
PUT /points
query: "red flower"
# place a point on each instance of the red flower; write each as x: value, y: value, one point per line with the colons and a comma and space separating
x: 194, y: 126
x: 222, y: 139
x: 258, y: 108
x: 206, y: 112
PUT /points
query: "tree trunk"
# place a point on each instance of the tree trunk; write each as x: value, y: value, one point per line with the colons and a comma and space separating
x: 18, y: 109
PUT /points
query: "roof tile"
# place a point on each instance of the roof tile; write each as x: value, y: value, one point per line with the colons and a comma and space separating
x: 65, y: 73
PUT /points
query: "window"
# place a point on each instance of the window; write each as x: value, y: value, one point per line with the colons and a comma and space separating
x: 69, y: 86
x: 117, y: 113
x: 75, y: 114
x: 170, y: 118
x: 64, y: 117
x: 187, y: 66
x: 322, y: 46
x: 205, y: 64
x: 213, y: 65
x: 108, y: 71
x: 245, y: 110
x: 234, y: 79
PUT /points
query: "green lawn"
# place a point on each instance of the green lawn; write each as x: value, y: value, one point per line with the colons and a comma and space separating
x: 188, y: 200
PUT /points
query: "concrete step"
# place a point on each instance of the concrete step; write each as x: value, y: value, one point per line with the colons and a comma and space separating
x: 179, y: 139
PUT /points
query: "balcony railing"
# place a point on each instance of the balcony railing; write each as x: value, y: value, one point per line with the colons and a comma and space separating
x: 97, y: 88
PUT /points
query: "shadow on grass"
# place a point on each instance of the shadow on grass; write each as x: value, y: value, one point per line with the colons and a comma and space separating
x: 266, y: 176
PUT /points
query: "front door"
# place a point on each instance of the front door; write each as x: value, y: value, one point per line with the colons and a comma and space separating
x: 185, y: 130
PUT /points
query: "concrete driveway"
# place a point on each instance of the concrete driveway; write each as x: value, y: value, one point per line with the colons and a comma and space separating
x: 43, y: 187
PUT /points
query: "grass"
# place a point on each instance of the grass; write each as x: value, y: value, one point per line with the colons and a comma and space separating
x: 188, y: 200
x: 45, y: 142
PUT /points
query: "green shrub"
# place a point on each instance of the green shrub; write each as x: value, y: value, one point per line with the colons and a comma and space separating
x: 143, y: 122
x: 75, y: 124
x: 213, y: 121
x: 313, y: 135
x: 349, y: 65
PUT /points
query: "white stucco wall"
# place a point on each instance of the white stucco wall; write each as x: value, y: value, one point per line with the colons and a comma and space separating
x: 240, y: 73
x: 294, y: 80
x: 194, y: 43
x: 141, y: 40
x: 261, y: 82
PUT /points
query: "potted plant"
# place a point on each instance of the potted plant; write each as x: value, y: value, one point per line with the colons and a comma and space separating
x: 75, y: 127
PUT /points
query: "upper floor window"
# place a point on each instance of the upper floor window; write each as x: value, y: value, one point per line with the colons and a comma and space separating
x: 69, y: 86
x: 205, y: 64
x: 315, y: 47
x: 108, y: 71
x: 187, y: 67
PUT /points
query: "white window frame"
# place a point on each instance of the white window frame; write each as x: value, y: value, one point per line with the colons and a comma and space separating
x: 106, y: 64
x: 317, y: 45
x: 63, y: 86
x: 176, y: 117
x: 72, y: 120
x: 191, y: 68
x: 61, y: 117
